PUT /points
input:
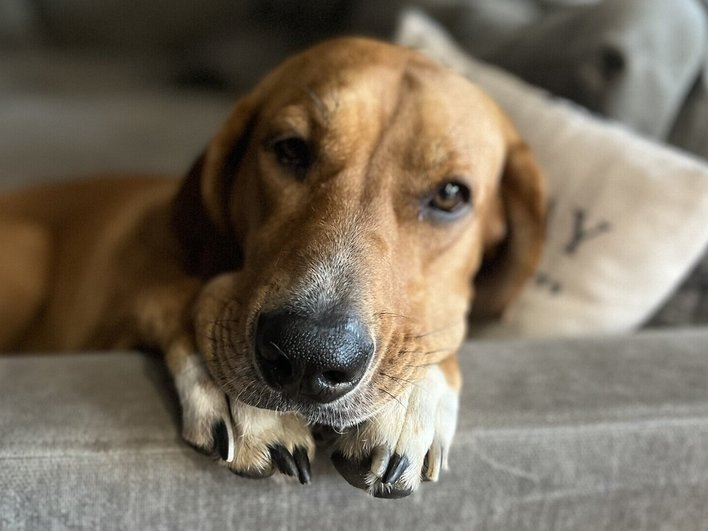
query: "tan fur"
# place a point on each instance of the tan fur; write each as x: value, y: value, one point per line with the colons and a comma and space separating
x: 136, y: 262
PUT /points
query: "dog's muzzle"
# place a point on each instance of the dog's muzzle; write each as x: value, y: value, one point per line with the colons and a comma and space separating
x: 312, y: 358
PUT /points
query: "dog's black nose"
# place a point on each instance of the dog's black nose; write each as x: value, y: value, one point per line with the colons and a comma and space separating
x: 318, y: 358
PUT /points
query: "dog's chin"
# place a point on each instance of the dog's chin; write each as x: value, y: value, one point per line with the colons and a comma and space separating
x: 340, y: 414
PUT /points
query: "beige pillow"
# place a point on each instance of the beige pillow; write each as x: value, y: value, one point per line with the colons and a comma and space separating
x: 628, y: 220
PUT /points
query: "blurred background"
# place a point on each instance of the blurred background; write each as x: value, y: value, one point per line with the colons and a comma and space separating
x: 641, y: 62
x: 109, y: 86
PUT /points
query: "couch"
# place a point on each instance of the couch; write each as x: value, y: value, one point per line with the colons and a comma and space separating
x: 607, y: 429
x: 577, y: 434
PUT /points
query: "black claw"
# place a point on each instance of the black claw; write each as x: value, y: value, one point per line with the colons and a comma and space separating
x: 396, y: 466
x: 392, y: 494
x: 221, y: 439
x: 283, y: 460
x: 354, y: 472
x: 303, y: 465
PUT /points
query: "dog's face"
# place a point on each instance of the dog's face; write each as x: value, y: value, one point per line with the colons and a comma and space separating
x: 349, y: 202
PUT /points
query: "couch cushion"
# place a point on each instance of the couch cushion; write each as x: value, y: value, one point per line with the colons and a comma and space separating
x: 618, y: 58
x: 577, y: 434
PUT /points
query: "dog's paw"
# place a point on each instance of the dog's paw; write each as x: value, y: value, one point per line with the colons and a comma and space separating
x: 266, y: 441
x: 252, y: 442
x: 407, y: 442
x: 206, y: 419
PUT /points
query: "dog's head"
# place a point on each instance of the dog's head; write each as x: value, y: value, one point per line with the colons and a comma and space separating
x: 346, y: 215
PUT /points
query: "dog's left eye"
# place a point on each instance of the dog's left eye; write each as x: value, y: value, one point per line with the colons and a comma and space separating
x: 292, y: 152
x: 449, y: 199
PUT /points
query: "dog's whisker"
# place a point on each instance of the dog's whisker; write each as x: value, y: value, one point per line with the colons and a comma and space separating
x: 280, y: 350
x: 423, y: 365
x: 414, y: 383
x: 392, y: 397
x: 438, y: 330
x: 396, y: 378
x: 429, y: 352
x: 393, y: 314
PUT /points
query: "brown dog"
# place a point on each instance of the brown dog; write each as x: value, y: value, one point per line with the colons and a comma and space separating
x: 315, y: 267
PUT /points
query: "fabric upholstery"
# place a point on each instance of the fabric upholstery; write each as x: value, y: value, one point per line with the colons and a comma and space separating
x: 589, y: 434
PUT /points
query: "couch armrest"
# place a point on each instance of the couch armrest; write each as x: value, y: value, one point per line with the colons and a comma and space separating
x: 590, y: 434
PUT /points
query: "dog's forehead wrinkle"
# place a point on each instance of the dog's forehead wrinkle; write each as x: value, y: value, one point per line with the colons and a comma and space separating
x: 318, y: 104
x: 351, y: 93
x: 422, y: 138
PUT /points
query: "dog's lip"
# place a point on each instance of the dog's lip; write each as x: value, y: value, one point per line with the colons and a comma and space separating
x: 338, y: 411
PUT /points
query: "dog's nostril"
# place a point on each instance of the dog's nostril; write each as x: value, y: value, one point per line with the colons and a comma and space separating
x: 335, y: 377
x: 271, y: 352
x: 277, y: 368
x: 282, y: 368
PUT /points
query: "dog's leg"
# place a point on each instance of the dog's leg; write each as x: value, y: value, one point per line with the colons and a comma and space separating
x: 408, y: 440
x: 267, y: 440
x: 206, y: 419
x: 24, y: 268
x: 252, y: 442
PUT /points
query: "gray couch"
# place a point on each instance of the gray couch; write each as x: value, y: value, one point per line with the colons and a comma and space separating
x: 586, y: 434
x: 590, y: 433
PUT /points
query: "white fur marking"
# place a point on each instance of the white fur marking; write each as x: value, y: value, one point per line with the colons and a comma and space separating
x: 258, y: 429
x: 203, y: 404
x: 251, y: 431
x: 422, y: 419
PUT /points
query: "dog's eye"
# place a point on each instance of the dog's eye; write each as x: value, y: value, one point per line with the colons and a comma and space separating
x: 449, y: 199
x: 292, y: 152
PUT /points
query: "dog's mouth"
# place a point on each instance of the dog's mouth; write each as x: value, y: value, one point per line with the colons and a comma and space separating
x: 238, y: 377
x: 329, y: 371
x: 319, y: 365
x: 242, y: 381
x: 348, y: 410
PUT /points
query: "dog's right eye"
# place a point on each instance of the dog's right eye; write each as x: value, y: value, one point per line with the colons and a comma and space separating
x: 292, y: 152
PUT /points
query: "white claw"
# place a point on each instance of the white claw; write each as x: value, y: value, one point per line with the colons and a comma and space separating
x: 231, y: 453
x: 432, y: 472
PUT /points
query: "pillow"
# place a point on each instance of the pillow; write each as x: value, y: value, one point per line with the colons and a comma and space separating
x: 628, y: 217
x: 618, y: 58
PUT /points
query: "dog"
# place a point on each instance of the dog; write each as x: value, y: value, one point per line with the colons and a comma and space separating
x: 317, y: 265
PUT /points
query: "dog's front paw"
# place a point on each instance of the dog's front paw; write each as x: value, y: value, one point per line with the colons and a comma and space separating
x: 266, y: 441
x: 252, y: 442
x: 407, y: 442
x: 206, y: 419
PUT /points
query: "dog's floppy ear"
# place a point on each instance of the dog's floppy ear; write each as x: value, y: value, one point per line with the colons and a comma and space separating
x: 200, y: 211
x: 515, y: 233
